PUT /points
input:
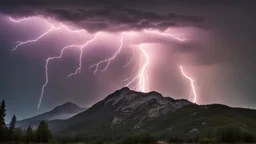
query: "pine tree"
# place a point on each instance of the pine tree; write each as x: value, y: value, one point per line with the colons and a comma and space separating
x: 43, y: 133
x: 2, y: 120
x: 12, y: 127
x: 29, y: 134
x: 19, y: 135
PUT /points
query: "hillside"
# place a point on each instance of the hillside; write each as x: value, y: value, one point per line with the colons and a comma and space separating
x: 124, y: 108
x: 127, y: 112
x: 64, y: 111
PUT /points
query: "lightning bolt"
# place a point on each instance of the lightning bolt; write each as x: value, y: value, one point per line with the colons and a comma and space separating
x: 140, y: 77
x: 78, y: 70
x: 193, y: 91
x: 53, y: 58
x: 133, y: 54
x: 107, y: 61
x: 52, y: 28
x: 142, y: 72
x: 20, y: 43
x: 165, y: 34
x: 191, y: 83
x: 72, y: 31
x: 141, y: 86
x: 19, y: 20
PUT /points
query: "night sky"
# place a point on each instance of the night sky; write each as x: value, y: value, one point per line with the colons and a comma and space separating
x: 219, y: 51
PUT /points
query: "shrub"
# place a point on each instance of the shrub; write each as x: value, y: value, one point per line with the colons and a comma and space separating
x: 139, y: 139
x: 175, y: 140
x: 231, y: 135
x: 249, y: 138
x: 207, y: 141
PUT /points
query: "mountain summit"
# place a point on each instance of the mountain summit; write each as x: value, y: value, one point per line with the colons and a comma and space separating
x: 66, y: 108
x: 122, y: 109
x: 63, y: 111
x: 126, y: 112
x: 153, y: 103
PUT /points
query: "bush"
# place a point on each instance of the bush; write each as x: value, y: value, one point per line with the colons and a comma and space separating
x: 54, y: 141
x: 175, y: 140
x: 249, y: 138
x: 231, y: 135
x: 139, y: 139
x: 207, y: 141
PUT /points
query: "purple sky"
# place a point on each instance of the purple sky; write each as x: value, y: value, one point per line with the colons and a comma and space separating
x: 219, y: 53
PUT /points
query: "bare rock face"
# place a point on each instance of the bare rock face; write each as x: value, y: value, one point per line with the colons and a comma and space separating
x: 117, y: 120
x: 153, y: 103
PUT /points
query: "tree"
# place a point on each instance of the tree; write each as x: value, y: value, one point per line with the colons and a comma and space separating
x: 18, y: 135
x: 29, y: 134
x: 12, y: 127
x: 2, y: 120
x: 43, y: 133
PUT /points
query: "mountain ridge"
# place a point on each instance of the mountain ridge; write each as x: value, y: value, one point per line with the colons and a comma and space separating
x: 126, y: 112
x: 123, y: 103
x: 63, y: 111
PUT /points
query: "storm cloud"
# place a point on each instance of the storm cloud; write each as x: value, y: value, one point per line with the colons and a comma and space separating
x: 100, y: 15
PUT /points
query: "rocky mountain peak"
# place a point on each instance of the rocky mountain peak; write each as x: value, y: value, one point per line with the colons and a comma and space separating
x: 126, y: 112
x: 129, y: 101
x: 125, y: 96
x: 125, y: 107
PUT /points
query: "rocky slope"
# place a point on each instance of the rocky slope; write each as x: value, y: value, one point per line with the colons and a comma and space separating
x: 126, y: 112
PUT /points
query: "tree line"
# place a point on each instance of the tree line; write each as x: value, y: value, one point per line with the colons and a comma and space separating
x: 12, y: 133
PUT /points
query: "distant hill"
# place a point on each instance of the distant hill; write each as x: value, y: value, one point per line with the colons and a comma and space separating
x: 126, y: 112
x: 64, y: 111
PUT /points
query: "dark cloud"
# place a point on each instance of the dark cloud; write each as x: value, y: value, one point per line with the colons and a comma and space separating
x: 106, y: 16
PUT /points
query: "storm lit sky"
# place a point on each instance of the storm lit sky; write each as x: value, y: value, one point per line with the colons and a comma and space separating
x: 218, y: 52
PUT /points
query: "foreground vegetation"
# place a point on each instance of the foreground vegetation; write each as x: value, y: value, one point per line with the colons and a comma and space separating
x: 13, y: 134
x: 42, y: 134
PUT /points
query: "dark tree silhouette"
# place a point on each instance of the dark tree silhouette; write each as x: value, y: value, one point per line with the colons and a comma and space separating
x: 2, y: 120
x: 12, y: 127
x: 29, y: 134
x: 43, y: 133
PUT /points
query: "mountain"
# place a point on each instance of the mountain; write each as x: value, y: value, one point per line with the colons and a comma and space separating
x: 126, y: 112
x: 64, y: 111
x: 122, y: 109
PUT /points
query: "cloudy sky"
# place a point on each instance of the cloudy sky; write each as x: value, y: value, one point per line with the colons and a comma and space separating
x: 218, y: 53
